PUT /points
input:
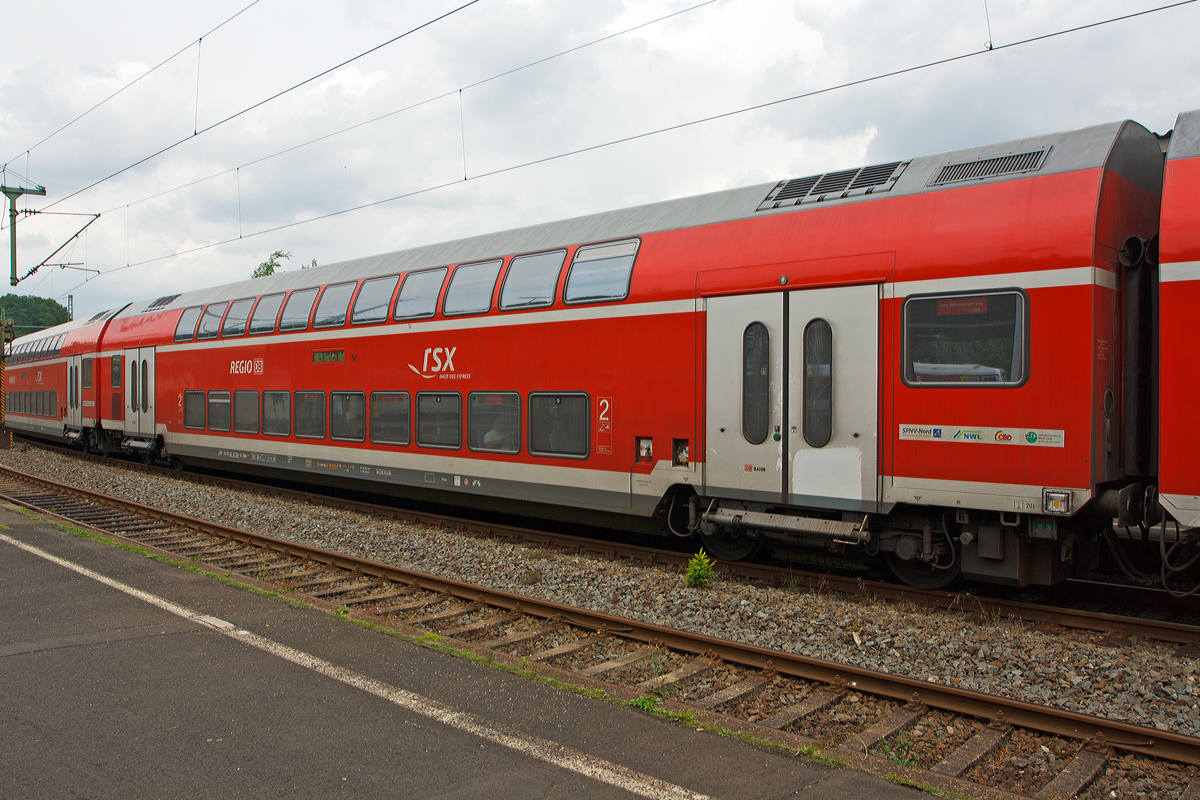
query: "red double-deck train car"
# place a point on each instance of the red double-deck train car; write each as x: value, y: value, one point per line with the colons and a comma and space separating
x: 943, y: 363
x: 1179, y: 295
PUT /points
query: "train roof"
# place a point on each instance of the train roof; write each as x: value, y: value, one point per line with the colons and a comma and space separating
x: 47, y: 333
x: 1118, y: 146
x: 1185, y: 139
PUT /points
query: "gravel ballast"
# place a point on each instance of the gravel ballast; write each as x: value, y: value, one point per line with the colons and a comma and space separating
x: 1144, y: 683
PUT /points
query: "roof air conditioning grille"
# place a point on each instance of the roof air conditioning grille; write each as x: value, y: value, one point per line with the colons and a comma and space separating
x: 984, y: 168
x: 834, y: 185
x: 161, y: 302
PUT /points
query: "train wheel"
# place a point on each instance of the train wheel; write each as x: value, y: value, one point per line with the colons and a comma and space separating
x: 729, y: 546
x: 919, y: 575
x: 85, y: 440
x: 148, y: 457
x: 177, y: 463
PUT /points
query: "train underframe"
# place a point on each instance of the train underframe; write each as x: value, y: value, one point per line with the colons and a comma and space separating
x: 931, y: 547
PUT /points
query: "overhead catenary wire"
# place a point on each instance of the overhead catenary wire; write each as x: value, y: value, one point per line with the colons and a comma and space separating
x: 658, y: 131
x: 145, y: 74
x: 419, y: 103
x: 266, y: 100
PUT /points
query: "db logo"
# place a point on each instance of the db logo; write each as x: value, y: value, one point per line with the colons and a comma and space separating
x: 1001, y: 436
x: 749, y: 468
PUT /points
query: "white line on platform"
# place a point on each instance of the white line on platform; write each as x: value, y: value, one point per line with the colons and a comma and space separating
x: 551, y: 752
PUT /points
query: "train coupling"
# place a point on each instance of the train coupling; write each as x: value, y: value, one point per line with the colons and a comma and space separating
x: 73, y: 436
x: 138, y: 445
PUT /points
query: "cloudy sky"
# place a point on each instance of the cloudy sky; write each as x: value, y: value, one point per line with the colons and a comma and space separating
x: 398, y: 129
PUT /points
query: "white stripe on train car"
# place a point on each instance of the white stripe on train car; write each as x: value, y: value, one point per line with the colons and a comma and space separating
x: 1037, y: 279
x: 1179, y: 271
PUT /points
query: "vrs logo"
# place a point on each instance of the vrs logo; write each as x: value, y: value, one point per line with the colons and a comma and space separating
x: 439, y: 365
x: 1031, y: 436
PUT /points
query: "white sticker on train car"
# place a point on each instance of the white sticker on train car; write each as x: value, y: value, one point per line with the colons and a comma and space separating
x: 1038, y: 437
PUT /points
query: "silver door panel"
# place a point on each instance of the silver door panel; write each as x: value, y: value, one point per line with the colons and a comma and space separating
x: 736, y: 467
x: 841, y: 473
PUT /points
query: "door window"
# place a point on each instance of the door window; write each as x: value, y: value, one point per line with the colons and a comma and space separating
x: 818, y: 383
x: 756, y: 382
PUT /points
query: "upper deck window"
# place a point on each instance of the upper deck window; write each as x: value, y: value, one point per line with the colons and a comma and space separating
x: 186, y: 329
x: 531, y: 280
x: 601, y: 272
x: 372, y: 302
x: 295, y: 313
x: 265, y: 313
x: 471, y: 288
x: 419, y: 294
x: 210, y: 323
x: 966, y: 339
x: 235, y: 320
x: 335, y: 300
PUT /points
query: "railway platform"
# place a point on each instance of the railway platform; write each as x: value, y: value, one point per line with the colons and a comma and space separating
x: 127, y: 677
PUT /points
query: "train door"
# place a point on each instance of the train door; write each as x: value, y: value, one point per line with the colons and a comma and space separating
x: 139, y: 392
x: 744, y: 369
x: 833, y: 390
x: 74, y: 403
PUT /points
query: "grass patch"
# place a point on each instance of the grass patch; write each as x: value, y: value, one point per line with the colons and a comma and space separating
x: 898, y: 750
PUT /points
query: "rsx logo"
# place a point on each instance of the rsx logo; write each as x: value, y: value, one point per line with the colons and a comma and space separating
x: 443, y: 361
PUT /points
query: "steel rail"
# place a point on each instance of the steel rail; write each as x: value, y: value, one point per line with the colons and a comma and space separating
x: 1058, y: 722
x: 983, y: 607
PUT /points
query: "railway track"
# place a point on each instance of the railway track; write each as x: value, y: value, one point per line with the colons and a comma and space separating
x: 853, y: 715
x: 1118, y: 626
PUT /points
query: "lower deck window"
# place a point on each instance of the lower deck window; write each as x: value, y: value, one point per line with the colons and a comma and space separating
x: 310, y: 415
x: 193, y: 410
x: 348, y: 416
x: 277, y: 413
x: 495, y: 422
x: 245, y: 412
x: 439, y: 420
x: 218, y: 411
x: 965, y: 340
x: 390, y: 418
x: 558, y: 425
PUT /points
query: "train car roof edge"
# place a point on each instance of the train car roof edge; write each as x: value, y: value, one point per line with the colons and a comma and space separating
x: 1070, y: 151
x: 1185, y: 141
